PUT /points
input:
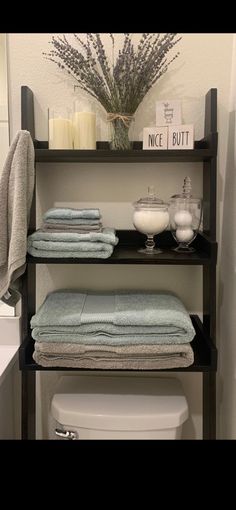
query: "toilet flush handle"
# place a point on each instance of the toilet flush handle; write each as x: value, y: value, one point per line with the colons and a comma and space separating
x: 66, y: 434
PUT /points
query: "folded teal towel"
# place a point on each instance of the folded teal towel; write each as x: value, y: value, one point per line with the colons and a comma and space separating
x: 107, y: 235
x: 112, y: 318
x: 72, y: 244
x: 68, y: 213
x: 103, y: 252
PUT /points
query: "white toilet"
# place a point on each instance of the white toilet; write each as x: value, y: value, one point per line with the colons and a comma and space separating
x: 112, y: 407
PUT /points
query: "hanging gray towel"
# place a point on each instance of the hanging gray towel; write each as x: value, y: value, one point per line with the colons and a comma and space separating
x: 16, y: 192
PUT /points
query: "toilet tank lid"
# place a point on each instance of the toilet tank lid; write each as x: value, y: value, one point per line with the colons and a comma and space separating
x: 120, y: 403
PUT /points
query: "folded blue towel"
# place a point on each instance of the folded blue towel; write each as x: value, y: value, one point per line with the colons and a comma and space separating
x: 112, y: 318
x: 69, y: 213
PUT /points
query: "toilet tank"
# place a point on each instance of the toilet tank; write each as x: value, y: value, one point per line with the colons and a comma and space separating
x: 97, y: 407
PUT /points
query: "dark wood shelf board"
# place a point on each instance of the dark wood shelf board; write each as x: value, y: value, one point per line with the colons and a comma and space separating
x: 130, y: 156
x: 203, y: 150
x: 130, y: 255
x: 205, y: 355
x: 126, y: 252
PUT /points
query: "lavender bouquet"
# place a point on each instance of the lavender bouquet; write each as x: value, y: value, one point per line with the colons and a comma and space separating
x: 119, y: 86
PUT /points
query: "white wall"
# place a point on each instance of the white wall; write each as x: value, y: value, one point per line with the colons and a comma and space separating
x: 10, y: 403
x: 4, y: 126
x: 204, y: 62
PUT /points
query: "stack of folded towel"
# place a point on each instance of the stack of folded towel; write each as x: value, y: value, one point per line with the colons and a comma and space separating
x: 75, y: 233
x: 66, y: 219
x: 112, y: 331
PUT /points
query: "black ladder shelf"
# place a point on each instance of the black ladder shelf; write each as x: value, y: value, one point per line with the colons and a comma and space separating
x: 205, y: 353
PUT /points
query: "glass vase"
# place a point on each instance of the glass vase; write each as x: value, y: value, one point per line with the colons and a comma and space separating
x: 185, y: 217
x: 120, y: 133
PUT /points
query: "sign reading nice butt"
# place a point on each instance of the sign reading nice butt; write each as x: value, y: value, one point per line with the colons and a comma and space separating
x: 155, y: 138
x: 180, y: 137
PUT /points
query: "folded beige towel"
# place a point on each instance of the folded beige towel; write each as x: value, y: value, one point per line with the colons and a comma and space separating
x: 141, y: 357
x: 16, y: 192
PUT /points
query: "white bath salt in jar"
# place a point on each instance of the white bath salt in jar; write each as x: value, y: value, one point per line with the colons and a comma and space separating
x: 150, y: 217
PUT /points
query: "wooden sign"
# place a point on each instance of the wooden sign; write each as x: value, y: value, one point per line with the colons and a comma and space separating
x: 181, y: 137
x: 155, y: 138
x: 168, y: 113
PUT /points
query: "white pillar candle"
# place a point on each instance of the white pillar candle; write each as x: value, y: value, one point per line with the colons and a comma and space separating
x: 60, y: 133
x: 150, y: 222
x: 84, y: 130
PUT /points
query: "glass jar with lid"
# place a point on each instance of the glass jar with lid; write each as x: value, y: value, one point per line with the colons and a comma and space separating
x: 150, y: 217
x: 185, y: 217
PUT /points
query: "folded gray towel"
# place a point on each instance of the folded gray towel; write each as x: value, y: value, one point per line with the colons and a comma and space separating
x: 76, y: 230
x: 112, y: 318
x: 80, y: 221
x: 70, y: 213
x: 107, y: 351
x: 16, y: 192
x: 140, y: 357
x: 80, y: 229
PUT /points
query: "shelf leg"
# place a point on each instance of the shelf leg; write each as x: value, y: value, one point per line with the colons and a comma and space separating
x: 209, y: 405
x: 209, y: 378
x: 28, y: 405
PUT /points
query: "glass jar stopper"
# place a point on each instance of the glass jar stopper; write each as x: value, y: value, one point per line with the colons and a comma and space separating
x: 151, y: 201
x: 187, y: 189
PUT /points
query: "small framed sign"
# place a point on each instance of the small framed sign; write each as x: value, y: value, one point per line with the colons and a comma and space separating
x: 168, y: 113
x: 181, y: 137
x: 155, y: 138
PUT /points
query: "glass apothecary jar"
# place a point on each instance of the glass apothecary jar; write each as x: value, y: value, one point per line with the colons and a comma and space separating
x: 185, y: 217
x: 150, y: 217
